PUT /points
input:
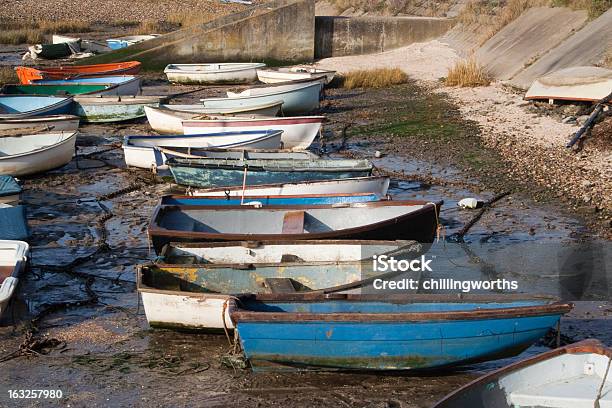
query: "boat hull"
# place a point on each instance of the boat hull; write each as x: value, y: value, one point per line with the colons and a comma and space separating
x: 28, y: 74
x: 169, y: 118
x: 268, y: 200
x: 298, y: 132
x: 367, y: 337
x: 212, y: 73
x: 22, y: 107
x: 111, y: 110
x: 113, y: 86
x: 376, y: 185
x: 56, y: 123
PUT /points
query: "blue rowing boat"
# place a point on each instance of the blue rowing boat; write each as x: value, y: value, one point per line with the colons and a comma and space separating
x: 220, y: 172
x: 22, y: 106
x: 306, y: 199
x: 388, y: 332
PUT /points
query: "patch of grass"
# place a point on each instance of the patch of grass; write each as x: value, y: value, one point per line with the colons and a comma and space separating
x: 595, y: 8
x: 153, y: 27
x: 22, y: 36
x: 467, y: 73
x: 374, y: 78
x: 188, y: 19
x: 607, y: 62
x: 7, y: 76
x: 64, y: 26
x: 33, y: 31
x: 124, y: 23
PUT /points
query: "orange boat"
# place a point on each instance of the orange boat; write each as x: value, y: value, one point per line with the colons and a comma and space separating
x: 27, y: 74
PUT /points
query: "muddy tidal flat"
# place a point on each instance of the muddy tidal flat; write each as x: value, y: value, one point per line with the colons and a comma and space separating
x: 78, y: 326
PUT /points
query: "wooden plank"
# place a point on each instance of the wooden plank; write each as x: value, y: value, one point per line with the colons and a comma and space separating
x: 280, y: 285
x: 293, y: 222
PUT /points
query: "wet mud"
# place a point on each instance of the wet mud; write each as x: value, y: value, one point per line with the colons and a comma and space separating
x: 77, y: 324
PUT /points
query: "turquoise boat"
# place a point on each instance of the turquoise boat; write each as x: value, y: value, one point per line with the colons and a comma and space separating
x: 111, y: 109
x: 114, y: 85
x: 221, y: 172
x: 387, y: 332
x: 54, y: 89
x: 306, y: 199
x: 18, y: 107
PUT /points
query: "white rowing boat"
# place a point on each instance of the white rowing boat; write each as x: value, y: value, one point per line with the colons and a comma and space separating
x: 13, y: 259
x: 272, y: 76
x: 212, y: 73
x: 169, y: 118
x: 31, y: 154
x: 51, y: 123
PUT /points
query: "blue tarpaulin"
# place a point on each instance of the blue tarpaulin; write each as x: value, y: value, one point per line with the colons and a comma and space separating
x: 9, y: 186
x: 13, y: 224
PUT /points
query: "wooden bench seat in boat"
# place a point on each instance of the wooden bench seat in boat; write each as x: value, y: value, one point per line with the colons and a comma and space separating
x: 293, y: 222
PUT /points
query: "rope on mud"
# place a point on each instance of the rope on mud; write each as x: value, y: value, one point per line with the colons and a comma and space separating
x: 458, y: 236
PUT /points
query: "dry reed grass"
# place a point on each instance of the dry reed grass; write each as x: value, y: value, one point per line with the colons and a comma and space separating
x: 33, y: 31
x: 595, y: 8
x: 374, y: 78
x: 7, y: 75
x: 188, y: 19
x: 467, y: 73
x: 153, y: 27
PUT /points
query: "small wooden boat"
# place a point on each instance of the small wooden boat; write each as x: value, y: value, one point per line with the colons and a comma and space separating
x: 20, y: 107
x: 115, y: 85
x: 298, y: 132
x: 297, y: 98
x: 55, y: 90
x: 272, y: 76
x: 111, y: 109
x: 190, y: 286
x: 123, y: 42
x: 260, y: 201
x: 169, y: 118
x: 387, y: 332
x: 225, y: 73
x: 153, y: 151
x: 380, y: 220
x: 10, y: 190
x: 583, y: 84
x: 14, y: 222
x: 31, y: 154
x: 573, y: 376
x: 13, y: 260
x: 51, y: 123
x: 218, y: 172
x: 373, y: 184
x: 28, y: 74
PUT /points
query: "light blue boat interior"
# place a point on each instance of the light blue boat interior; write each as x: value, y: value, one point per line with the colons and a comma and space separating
x: 339, y: 306
x: 339, y: 199
x: 95, y: 80
x: 117, y: 44
x: 20, y: 104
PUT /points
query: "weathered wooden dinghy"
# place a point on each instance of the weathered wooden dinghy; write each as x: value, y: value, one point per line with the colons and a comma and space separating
x: 28, y: 74
x: 387, y: 332
x: 111, y: 109
x: 272, y: 76
x: 153, y: 151
x: 378, y: 185
x: 50, y: 123
x: 31, y: 154
x: 13, y: 260
x: 20, y: 107
x: 260, y: 201
x: 10, y: 190
x: 298, y: 132
x: 381, y: 220
x: 169, y: 118
x: 218, y: 172
x: 573, y: 376
x: 224, y: 73
x: 297, y: 98
x: 190, y: 288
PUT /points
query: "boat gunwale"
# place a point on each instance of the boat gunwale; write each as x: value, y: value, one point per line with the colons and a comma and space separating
x: 36, y: 119
x: 92, y: 99
x: 278, y: 103
x: 238, y: 95
x: 73, y: 135
x: 225, y: 164
x: 255, y: 65
x: 66, y: 100
x: 244, y: 121
x: 593, y: 346
x: 269, y: 196
x: 155, y: 230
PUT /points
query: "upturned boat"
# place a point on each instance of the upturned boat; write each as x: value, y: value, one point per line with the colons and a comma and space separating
x: 169, y: 118
x: 298, y: 98
x: 154, y: 151
x: 10, y: 190
x: 111, y: 109
x: 260, y: 201
x: 37, y: 153
x: 28, y: 74
x: 229, y: 73
x: 380, y: 220
x: 387, y: 332
x: 577, y: 375
x: 22, y: 106
x: 220, y: 172
x: 378, y: 185
x: 13, y: 260
x: 50, y: 123
x: 276, y: 75
x: 191, y: 284
x: 298, y: 132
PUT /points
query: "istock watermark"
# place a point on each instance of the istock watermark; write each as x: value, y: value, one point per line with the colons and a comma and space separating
x: 385, y: 263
